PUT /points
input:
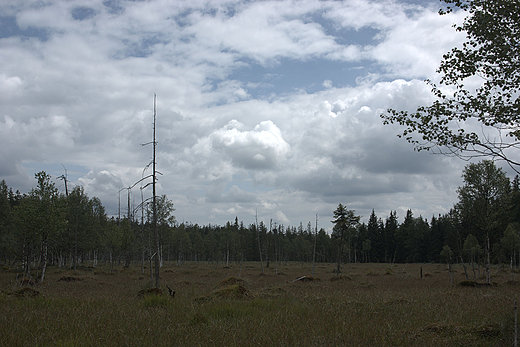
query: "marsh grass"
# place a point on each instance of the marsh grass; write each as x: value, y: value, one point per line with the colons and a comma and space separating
x: 369, y: 305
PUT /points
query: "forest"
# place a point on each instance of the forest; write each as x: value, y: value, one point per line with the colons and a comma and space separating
x: 45, y: 227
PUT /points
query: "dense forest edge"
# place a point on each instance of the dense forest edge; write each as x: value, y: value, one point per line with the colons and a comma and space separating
x: 46, y: 227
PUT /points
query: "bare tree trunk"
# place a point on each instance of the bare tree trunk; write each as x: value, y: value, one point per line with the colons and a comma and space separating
x: 240, y: 271
x: 314, y: 249
x: 161, y: 258
x: 76, y: 243
x: 340, y: 255
x: 111, y: 263
x: 259, y: 247
x: 142, y: 262
x: 27, y: 265
x: 464, y: 266
x: 488, y: 259
x: 473, y: 266
x: 451, y: 273
x: 150, y: 259
x: 44, y: 260
x: 154, y: 198
x: 227, y: 254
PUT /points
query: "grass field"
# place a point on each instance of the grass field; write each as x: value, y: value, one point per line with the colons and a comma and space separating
x: 369, y: 305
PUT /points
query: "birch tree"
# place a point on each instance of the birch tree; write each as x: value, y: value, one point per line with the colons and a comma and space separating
x: 49, y: 214
x: 482, y: 199
x: 469, y: 119
x: 39, y: 217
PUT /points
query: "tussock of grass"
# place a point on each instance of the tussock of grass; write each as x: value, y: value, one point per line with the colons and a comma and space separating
x: 199, y: 319
x: 70, y: 279
x: 488, y: 331
x: 354, y: 310
x: 231, y: 281
x: 104, y: 273
x: 235, y: 291
x: 231, y: 292
x: 474, y: 284
x: 372, y: 273
x: 201, y: 299
x: 442, y: 328
x: 149, y: 291
x: 26, y: 292
x: 482, y: 334
x: 271, y: 292
x: 156, y: 300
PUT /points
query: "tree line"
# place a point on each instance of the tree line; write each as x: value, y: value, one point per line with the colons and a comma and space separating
x: 45, y: 227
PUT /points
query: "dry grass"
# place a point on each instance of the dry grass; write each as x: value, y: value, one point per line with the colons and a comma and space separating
x: 370, y: 305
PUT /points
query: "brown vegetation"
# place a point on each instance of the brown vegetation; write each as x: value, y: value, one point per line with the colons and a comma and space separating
x: 149, y: 291
x: 237, y: 307
x: 69, y: 279
x: 26, y: 292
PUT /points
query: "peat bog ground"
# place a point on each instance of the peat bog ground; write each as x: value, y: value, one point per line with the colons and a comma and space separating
x: 238, y: 305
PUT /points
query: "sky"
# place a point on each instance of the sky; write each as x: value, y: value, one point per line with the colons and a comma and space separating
x: 268, y: 108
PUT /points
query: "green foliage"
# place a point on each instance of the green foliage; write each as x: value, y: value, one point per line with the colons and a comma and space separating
x: 447, y: 254
x: 412, y: 238
x: 483, y: 200
x: 511, y: 240
x: 78, y: 232
x: 472, y: 247
x: 164, y: 207
x: 345, y: 223
x: 490, y: 53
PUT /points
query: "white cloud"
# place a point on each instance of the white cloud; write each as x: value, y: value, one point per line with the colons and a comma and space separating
x: 409, y: 40
x: 76, y: 88
x: 415, y: 48
x: 103, y: 184
x: 10, y: 86
x: 262, y: 148
x: 327, y: 84
x: 38, y: 138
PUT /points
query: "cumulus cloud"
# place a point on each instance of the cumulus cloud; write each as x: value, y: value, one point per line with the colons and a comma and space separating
x: 262, y: 148
x: 10, y: 86
x: 264, y: 105
x: 327, y: 84
x: 102, y: 184
x: 39, y: 138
